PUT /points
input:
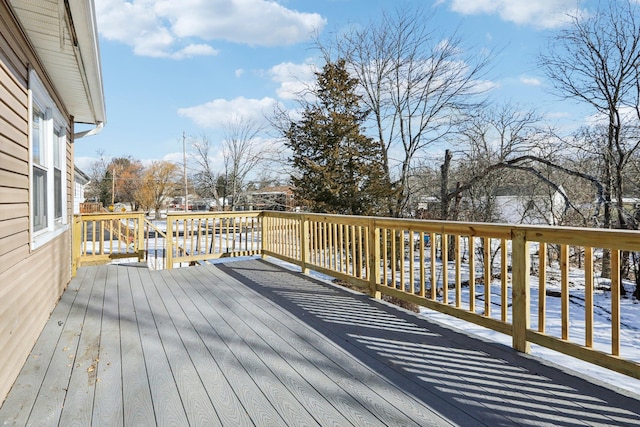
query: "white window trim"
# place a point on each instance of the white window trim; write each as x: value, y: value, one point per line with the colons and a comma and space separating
x: 39, y: 96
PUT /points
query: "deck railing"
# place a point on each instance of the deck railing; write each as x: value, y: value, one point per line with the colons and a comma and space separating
x: 496, y: 276
x: 102, y: 237
x: 204, y: 236
x: 179, y: 239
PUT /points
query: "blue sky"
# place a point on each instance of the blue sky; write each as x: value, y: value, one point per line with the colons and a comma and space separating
x: 189, y: 66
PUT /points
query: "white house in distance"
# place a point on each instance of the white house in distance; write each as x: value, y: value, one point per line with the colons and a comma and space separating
x: 80, y: 182
x: 509, y: 205
x: 50, y: 80
x: 529, y: 205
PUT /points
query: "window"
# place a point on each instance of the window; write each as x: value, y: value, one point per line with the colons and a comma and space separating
x: 58, y: 188
x: 39, y: 190
x: 48, y: 166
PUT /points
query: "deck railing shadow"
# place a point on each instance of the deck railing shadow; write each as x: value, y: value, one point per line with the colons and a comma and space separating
x: 462, y: 377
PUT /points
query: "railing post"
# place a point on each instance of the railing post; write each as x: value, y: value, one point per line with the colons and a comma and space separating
x: 263, y: 236
x: 140, y: 237
x: 520, y: 290
x: 76, y: 242
x: 304, y: 243
x: 374, y: 259
x: 169, y: 243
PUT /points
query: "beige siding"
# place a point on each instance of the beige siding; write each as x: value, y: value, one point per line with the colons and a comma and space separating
x: 31, y: 282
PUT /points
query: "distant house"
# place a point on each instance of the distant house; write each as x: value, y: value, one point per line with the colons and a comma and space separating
x: 631, y: 204
x: 508, y: 204
x: 428, y: 207
x: 80, y: 182
x: 50, y: 80
x: 278, y: 198
x: 529, y: 205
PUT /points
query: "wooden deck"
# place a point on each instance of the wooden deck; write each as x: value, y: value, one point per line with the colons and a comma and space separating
x: 249, y: 343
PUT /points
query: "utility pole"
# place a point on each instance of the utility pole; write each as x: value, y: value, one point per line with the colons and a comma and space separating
x: 184, y: 171
x: 113, y: 187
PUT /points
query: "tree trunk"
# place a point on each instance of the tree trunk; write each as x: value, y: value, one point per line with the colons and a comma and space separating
x: 606, y: 223
x: 444, y: 185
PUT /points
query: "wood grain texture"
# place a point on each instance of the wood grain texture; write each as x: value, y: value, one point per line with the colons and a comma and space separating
x: 108, y: 399
x: 320, y: 376
x: 206, y: 322
x: 461, y: 375
x: 357, y: 384
x: 50, y: 401
x: 228, y: 409
x: 295, y: 392
x: 78, y: 403
x: 193, y: 395
x: 18, y: 405
x: 167, y: 405
x: 136, y: 394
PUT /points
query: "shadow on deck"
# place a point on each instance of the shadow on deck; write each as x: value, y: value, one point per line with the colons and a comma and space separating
x: 250, y: 343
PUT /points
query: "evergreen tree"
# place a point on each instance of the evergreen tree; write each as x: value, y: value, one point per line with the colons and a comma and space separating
x: 337, y: 168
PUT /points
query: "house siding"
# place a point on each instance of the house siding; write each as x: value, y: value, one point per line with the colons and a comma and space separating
x: 31, y: 282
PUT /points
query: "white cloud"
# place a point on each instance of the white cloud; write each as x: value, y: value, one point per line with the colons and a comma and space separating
x: 537, y: 13
x: 195, y: 50
x: 219, y: 112
x: 176, y: 157
x: 176, y: 29
x: 252, y: 22
x: 239, y: 72
x: 530, y: 81
x: 85, y: 163
x: 627, y: 115
x: 484, y: 86
x: 296, y: 80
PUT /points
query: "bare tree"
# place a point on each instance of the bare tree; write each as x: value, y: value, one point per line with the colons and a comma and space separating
x: 243, y: 151
x: 597, y: 61
x: 498, y: 145
x: 206, y: 179
x: 99, y: 188
x: 415, y: 81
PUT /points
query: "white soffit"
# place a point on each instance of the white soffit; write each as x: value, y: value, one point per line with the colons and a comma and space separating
x: 65, y: 38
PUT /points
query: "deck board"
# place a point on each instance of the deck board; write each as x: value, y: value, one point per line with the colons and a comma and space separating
x: 78, y: 402
x: 17, y: 407
x: 434, y: 363
x: 136, y: 391
x: 358, y: 376
x: 294, y: 389
x: 201, y: 349
x: 251, y: 343
x: 209, y: 324
x: 197, y: 404
x: 352, y: 391
x: 50, y: 400
x: 167, y: 403
x: 107, y: 406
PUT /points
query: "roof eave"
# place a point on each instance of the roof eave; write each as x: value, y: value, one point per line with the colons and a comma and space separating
x: 64, y: 37
x: 88, y: 51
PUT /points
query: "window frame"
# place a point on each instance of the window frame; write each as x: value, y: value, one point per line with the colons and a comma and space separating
x: 48, y: 212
